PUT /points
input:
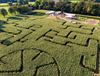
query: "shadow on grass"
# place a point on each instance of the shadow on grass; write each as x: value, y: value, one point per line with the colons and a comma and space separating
x: 36, y: 13
x: 2, y: 22
x: 97, y: 60
x: 83, y: 65
x: 1, y: 30
x: 14, y: 18
x: 25, y: 16
x: 6, y: 42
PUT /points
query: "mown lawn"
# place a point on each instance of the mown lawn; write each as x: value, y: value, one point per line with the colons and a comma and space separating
x: 35, y: 45
x: 75, y: 1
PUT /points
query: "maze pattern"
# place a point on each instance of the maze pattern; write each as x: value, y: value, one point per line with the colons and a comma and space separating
x: 79, y: 38
x: 16, y: 32
x: 43, y: 47
x: 72, y: 34
x: 37, y: 59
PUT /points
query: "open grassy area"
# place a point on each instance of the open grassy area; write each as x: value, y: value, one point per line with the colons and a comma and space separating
x: 4, y: 4
x: 35, y: 45
x: 92, y: 17
x: 75, y: 1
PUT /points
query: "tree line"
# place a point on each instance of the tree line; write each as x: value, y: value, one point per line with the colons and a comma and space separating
x: 82, y: 7
x: 19, y: 9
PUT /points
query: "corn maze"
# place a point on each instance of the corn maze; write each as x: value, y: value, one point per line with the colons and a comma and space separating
x: 38, y: 46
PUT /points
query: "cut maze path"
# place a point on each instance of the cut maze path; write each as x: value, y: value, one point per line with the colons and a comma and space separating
x: 38, y: 46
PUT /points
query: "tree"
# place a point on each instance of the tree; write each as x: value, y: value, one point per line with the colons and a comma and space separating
x: 3, y: 12
x: 79, y: 7
x: 72, y: 7
x: 12, y: 10
x: 10, y: 3
x: 23, y: 9
x: 97, y: 0
x: 65, y: 1
x: 88, y: 7
x: 22, y: 2
x: 51, y: 5
x: 96, y: 9
x: 38, y: 3
x: 60, y: 5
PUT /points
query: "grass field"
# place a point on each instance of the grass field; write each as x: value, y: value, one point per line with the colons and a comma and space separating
x: 35, y: 45
x: 75, y: 1
x: 5, y: 6
x: 91, y: 17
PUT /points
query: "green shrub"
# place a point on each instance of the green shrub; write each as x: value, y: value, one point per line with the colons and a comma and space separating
x: 12, y: 10
x: 22, y: 2
x: 23, y: 9
x: 3, y: 12
x: 10, y: 3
